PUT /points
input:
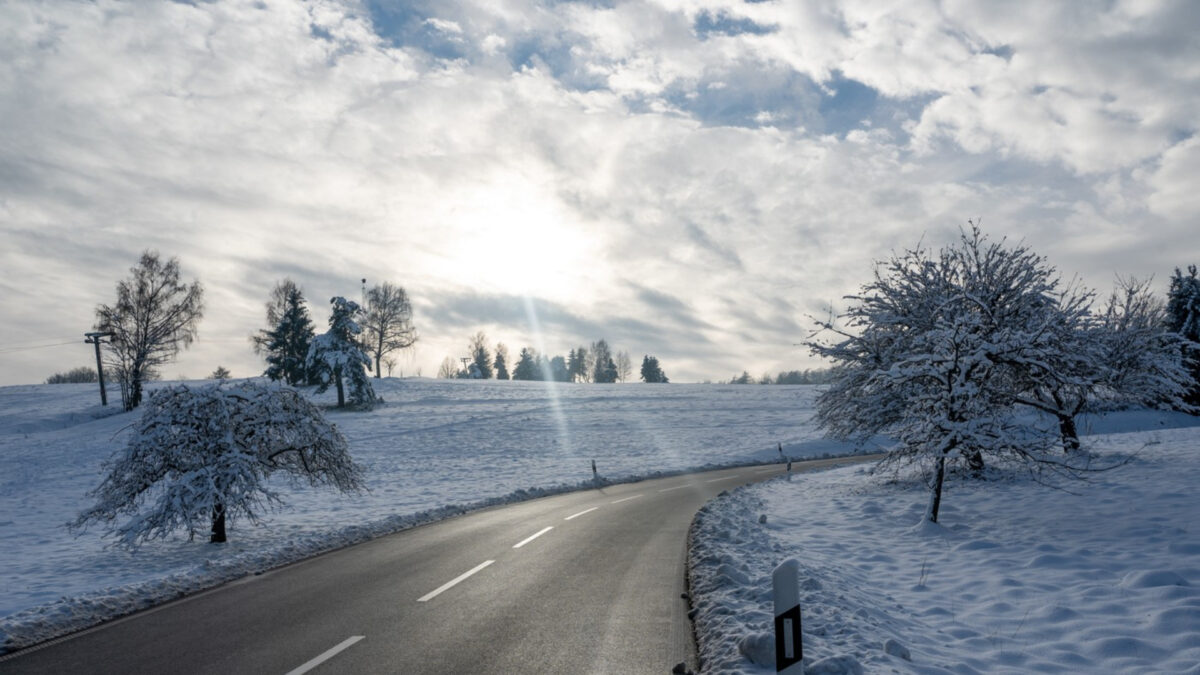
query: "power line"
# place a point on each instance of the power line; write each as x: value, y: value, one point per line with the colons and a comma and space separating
x: 8, y: 350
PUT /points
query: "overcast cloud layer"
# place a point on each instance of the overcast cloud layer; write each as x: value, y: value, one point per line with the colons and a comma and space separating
x: 685, y: 178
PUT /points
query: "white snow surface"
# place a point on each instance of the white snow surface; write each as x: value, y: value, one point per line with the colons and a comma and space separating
x: 434, y: 449
x: 1017, y: 577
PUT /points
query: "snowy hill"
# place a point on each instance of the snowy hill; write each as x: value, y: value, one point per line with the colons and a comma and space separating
x: 434, y: 447
x: 1102, y: 577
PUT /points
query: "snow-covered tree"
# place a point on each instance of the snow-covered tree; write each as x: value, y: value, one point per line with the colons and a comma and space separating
x: 1143, y: 360
x: 335, y: 356
x: 651, y: 371
x: 933, y: 349
x: 288, y: 341
x: 154, y: 316
x: 387, y: 323
x: 200, y: 456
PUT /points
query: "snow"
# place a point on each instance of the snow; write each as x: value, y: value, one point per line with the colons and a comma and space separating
x: 432, y: 450
x: 1017, y: 577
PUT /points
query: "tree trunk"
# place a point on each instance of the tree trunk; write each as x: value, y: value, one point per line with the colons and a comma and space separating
x: 218, y: 524
x: 341, y: 392
x: 1070, y: 436
x: 975, y: 463
x: 935, y: 499
x: 377, y: 365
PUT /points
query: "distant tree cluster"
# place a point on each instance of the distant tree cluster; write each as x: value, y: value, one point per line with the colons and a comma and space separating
x: 942, y: 350
x: 597, y: 363
x: 819, y: 376
x: 80, y: 375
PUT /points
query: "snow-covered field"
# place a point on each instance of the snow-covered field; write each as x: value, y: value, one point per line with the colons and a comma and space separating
x: 1017, y: 577
x: 435, y: 447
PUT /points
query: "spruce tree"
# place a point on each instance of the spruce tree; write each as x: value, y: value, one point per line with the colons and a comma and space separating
x: 501, y: 362
x: 288, y: 342
x: 652, y: 372
x: 527, y: 368
x: 1183, y: 317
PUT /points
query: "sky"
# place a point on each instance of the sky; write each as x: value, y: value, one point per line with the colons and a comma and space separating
x: 694, y: 179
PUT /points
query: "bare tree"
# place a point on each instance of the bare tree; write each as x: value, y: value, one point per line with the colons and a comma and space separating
x: 449, y: 369
x: 387, y: 323
x: 624, y: 366
x: 154, y: 316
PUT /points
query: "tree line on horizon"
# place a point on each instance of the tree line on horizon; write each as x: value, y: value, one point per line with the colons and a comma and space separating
x: 597, y: 364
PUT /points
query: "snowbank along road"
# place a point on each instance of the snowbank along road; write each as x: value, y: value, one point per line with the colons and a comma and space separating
x: 585, y: 582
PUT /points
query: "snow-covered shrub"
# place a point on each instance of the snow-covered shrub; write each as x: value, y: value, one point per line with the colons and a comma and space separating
x: 201, y: 454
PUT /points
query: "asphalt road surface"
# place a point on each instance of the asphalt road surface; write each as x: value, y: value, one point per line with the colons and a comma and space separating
x: 586, y: 582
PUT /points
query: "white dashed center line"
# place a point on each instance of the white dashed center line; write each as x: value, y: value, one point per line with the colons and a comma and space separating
x: 625, y: 499
x: 530, y: 538
x: 453, y: 582
x: 677, y: 487
x: 326, y: 655
x: 581, y: 513
x: 718, y: 480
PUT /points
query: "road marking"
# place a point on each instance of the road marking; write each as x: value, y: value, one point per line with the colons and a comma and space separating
x: 677, y: 487
x: 625, y: 499
x: 453, y: 582
x: 532, y: 537
x: 718, y: 480
x: 581, y: 513
x: 326, y: 655
x: 766, y: 470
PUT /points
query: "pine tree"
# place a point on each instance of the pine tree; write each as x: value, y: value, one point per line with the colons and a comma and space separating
x: 651, y: 371
x: 527, y: 368
x: 336, y: 356
x: 557, y: 370
x: 1183, y: 318
x: 288, y: 342
x: 501, y: 362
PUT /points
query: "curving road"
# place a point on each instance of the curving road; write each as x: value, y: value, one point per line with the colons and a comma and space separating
x: 586, y: 582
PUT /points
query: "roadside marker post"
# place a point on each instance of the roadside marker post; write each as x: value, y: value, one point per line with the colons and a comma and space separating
x: 789, y: 652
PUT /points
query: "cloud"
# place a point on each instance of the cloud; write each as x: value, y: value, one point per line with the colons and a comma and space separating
x: 674, y: 177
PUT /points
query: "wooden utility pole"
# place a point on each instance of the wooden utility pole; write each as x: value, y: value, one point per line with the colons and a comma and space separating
x: 94, y: 339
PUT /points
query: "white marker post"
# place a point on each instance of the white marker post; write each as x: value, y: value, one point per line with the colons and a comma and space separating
x: 789, y: 652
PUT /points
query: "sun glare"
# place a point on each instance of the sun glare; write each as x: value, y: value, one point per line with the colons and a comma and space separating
x: 515, y: 239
